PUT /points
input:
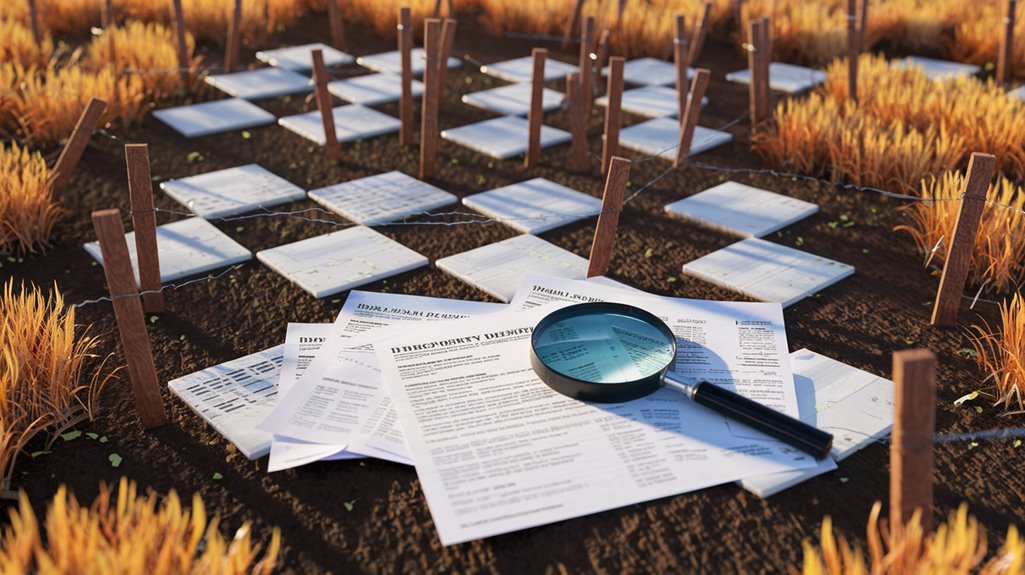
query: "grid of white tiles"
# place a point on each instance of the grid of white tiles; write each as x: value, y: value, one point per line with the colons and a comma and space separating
x: 649, y: 72
x: 214, y: 117
x: 298, y: 58
x: 381, y: 198
x: 649, y: 101
x: 498, y: 268
x: 232, y: 191
x: 534, y: 206
x: 784, y: 77
x: 661, y: 137
x: 185, y: 248
x: 261, y: 83
x: 522, y: 69
x: 339, y: 261
x: 742, y: 210
x: 372, y: 89
x: 352, y: 122
x: 937, y: 69
x: 767, y: 271
x: 390, y: 62
x: 513, y: 100
x: 503, y: 137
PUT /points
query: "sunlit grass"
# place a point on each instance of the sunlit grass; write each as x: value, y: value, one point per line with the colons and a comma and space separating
x: 28, y: 213
x: 1000, y: 353
x: 145, y: 51
x: 19, y: 45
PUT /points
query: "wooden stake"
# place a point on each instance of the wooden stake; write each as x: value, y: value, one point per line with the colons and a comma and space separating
x: 117, y: 267
x: 1005, y: 59
x: 536, y: 113
x: 689, y: 120
x: 914, y: 421
x: 680, y: 58
x: 765, y: 60
x: 700, y: 31
x: 863, y: 25
x: 178, y: 18
x: 429, y: 110
x: 853, y: 49
x: 608, y: 220
x: 33, y: 17
x: 603, y: 51
x: 332, y: 148
x: 738, y: 14
x: 578, y: 148
x: 72, y: 152
x: 334, y: 16
x: 754, y: 37
x: 613, y: 116
x: 144, y: 224
x: 109, y: 21
x: 571, y: 24
x: 450, y: 7
x: 959, y: 248
x: 586, y: 71
x: 406, y: 59
x: 448, y: 38
x: 234, y: 31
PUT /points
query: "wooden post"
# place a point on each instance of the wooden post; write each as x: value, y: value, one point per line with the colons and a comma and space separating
x: 33, y: 18
x: 765, y: 61
x: 680, y: 58
x: 603, y: 51
x: 117, y: 267
x: 586, y: 71
x: 863, y: 25
x: 571, y: 24
x: 738, y: 15
x: 536, y: 113
x: 853, y: 49
x: 406, y: 62
x: 234, y: 33
x: 689, y: 120
x: 334, y: 16
x: 613, y: 116
x: 332, y: 148
x: 914, y: 420
x: 72, y: 152
x: 108, y: 22
x: 608, y: 220
x: 429, y: 105
x: 448, y: 38
x: 578, y: 149
x: 1005, y: 59
x: 700, y: 31
x: 754, y: 37
x: 144, y: 224
x: 959, y: 249
x: 178, y: 18
x: 450, y: 7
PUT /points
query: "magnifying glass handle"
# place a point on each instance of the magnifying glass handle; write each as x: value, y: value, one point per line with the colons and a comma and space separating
x: 789, y: 430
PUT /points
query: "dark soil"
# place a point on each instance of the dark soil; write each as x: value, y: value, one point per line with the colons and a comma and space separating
x: 883, y: 308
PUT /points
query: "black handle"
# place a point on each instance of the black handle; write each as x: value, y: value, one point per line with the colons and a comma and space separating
x: 789, y: 430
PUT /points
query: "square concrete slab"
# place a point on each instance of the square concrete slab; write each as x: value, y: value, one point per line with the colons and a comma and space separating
x: 262, y: 83
x: 534, y: 206
x: 502, y: 138
x: 381, y: 198
x: 1019, y: 93
x: 214, y: 117
x: 298, y: 58
x: 498, y: 268
x: 372, y: 89
x: 338, y: 261
x: 937, y: 69
x: 742, y: 210
x: 649, y: 101
x: 389, y: 62
x: 522, y: 69
x: 513, y: 100
x: 660, y: 137
x: 232, y: 191
x: 784, y: 77
x: 185, y: 248
x: 352, y: 122
x: 649, y: 72
x: 767, y: 271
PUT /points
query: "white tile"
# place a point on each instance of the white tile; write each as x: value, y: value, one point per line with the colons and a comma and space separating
x: 214, y: 117
x: 236, y: 396
x: 649, y: 72
x: 498, y: 268
x: 1019, y: 93
x: 298, y: 58
x: 937, y: 69
x: 372, y: 89
x: 767, y: 271
x: 339, y: 261
x: 503, y: 137
x: 352, y: 122
x: 742, y: 210
x: 661, y: 136
x: 784, y: 77
x: 649, y: 101
x: 261, y: 83
x: 534, y: 206
x: 513, y: 100
x: 381, y: 198
x: 522, y: 69
x: 232, y: 191
x: 389, y: 62
x: 185, y: 248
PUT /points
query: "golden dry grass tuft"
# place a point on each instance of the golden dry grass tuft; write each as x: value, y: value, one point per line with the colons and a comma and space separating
x: 55, y: 16
x: 144, y: 51
x: 27, y: 210
x: 1001, y: 353
x: 129, y: 534
x: 208, y: 20
x: 19, y: 45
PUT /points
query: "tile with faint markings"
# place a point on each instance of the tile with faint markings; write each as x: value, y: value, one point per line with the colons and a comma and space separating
x: 381, y: 198
x: 534, y: 206
x: 232, y: 191
x: 352, y: 122
x: 649, y: 72
x: 298, y: 58
x: 503, y: 137
x: 661, y: 137
x: 389, y: 62
x: 742, y: 210
x: 522, y: 69
x: 372, y: 89
x: 937, y: 69
x: 214, y: 117
x: 784, y: 77
x: 649, y: 101
x: 261, y: 83
x: 513, y: 100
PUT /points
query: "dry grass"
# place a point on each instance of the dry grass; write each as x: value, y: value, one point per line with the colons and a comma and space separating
x: 146, y: 51
x: 208, y: 20
x: 27, y: 211
x: 998, y: 254
x: 1001, y: 353
x: 55, y: 16
x: 957, y: 546
x: 132, y: 534
x: 18, y: 45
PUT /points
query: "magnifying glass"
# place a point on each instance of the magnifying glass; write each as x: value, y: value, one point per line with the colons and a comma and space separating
x: 609, y: 353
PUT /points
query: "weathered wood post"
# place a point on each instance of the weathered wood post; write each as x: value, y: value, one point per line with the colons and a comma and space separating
x: 911, y: 447
x: 604, y: 241
x: 689, y: 120
x: 178, y: 18
x: 448, y: 38
x: 758, y: 88
x: 337, y: 23
x: 586, y: 65
x: 234, y: 38
x: 853, y: 49
x: 72, y: 152
x: 613, y: 112
x: 680, y: 59
x: 144, y: 224
x: 537, y: 86
x: 571, y: 24
x: 33, y: 19
x: 332, y: 148
x: 406, y: 63
x: 1005, y: 58
x: 700, y: 31
x: 429, y: 105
